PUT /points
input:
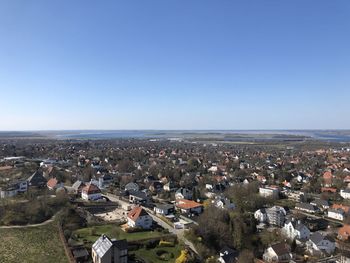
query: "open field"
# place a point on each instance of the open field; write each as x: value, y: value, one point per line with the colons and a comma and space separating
x: 40, y: 244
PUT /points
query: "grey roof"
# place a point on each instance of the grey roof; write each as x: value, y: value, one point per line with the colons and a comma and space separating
x: 107, y: 177
x: 138, y: 194
x: 165, y: 206
x: 78, y: 184
x: 102, y: 246
x: 299, y: 226
x: 132, y: 186
x: 120, y: 244
x: 281, y: 248
x: 316, y: 237
x: 37, y: 179
x: 306, y: 206
x: 320, y: 202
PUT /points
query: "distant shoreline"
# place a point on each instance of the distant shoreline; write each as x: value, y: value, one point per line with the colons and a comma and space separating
x: 222, y: 135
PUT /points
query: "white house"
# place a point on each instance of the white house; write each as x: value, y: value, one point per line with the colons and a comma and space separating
x: 13, y: 189
x: 320, y: 243
x: 295, y: 229
x: 106, y: 250
x: 345, y: 193
x: 278, y: 253
x: 91, y: 192
x: 138, y: 217
x: 271, y: 192
x: 189, y: 206
x: 227, y: 255
x: 164, y: 209
x: 223, y: 203
x: 260, y: 215
x: 183, y: 193
x: 337, y: 214
x: 274, y: 215
x: 169, y: 187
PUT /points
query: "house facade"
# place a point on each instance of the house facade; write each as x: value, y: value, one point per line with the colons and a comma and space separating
x: 106, y: 250
x: 189, y: 206
x: 183, y: 193
x: 91, y: 192
x: 345, y: 193
x: 138, y: 217
x: 319, y: 243
x: 337, y: 214
x: 164, y: 209
x: 280, y: 252
x: 270, y: 192
x: 294, y: 229
x: 12, y: 189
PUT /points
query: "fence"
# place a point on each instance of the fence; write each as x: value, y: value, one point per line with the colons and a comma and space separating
x: 65, y: 244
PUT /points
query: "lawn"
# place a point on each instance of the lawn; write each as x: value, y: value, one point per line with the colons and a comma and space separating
x: 165, y: 254
x: 91, y: 234
x: 39, y: 244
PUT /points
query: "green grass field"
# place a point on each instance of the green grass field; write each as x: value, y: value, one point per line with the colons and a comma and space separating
x: 39, y: 244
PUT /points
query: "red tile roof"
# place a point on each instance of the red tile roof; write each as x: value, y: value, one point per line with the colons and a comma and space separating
x: 328, y: 189
x: 344, y: 232
x: 136, y: 212
x: 91, y: 189
x: 52, y: 183
x: 187, y: 204
x: 343, y: 207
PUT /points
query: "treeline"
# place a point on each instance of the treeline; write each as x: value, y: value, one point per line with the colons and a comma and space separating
x: 31, y: 212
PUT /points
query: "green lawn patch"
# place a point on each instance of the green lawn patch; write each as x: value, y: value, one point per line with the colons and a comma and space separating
x: 158, y: 254
x: 39, y: 244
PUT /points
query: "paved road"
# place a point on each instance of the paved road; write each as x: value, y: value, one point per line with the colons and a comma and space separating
x: 180, y: 233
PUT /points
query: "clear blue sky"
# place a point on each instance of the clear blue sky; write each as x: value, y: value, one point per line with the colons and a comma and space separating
x: 174, y: 64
